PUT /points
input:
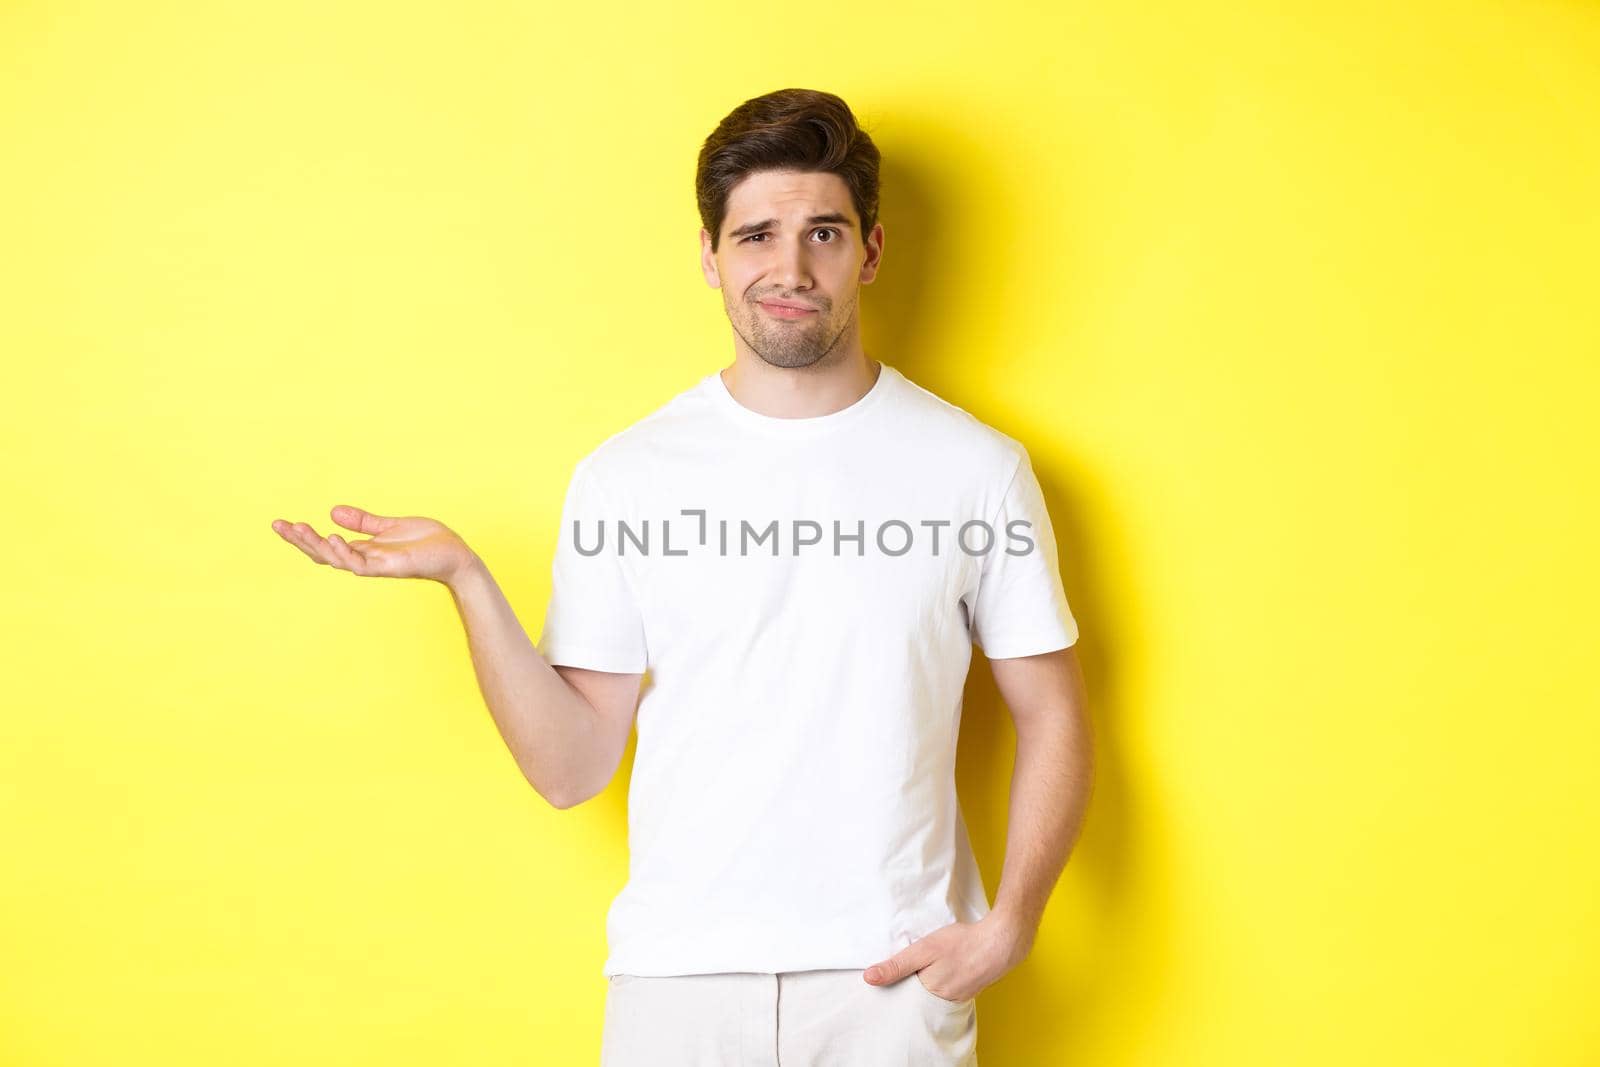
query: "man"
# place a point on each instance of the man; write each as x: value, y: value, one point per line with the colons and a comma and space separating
x: 800, y: 550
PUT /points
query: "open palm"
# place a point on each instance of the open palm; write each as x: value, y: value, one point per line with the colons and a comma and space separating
x: 397, y: 547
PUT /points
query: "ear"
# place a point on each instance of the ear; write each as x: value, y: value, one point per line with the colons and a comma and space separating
x: 708, y: 261
x: 874, y: 244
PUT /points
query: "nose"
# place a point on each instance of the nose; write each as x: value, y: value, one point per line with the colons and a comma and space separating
x: 793, y: 268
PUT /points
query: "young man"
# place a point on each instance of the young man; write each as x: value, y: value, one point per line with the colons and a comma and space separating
x: 800, y: 550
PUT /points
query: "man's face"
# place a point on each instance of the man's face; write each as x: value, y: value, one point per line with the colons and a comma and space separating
x: 792, y: 237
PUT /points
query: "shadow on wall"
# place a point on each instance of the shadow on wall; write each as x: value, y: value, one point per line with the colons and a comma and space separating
x: 1051, y: 998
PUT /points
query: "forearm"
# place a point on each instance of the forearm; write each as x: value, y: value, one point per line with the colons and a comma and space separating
x: 551, y: 729
x: 1050, y: 785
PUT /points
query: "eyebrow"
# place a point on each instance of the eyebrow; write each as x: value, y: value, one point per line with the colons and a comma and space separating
x: 757, y: 227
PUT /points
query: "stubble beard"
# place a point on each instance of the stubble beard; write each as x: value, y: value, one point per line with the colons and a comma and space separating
x: 788, y: 345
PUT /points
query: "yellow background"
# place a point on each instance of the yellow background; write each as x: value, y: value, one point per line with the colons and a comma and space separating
x: 1293, y: 305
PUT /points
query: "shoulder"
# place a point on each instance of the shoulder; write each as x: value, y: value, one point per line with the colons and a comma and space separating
x: 628, y: 453
x: 953, y: 427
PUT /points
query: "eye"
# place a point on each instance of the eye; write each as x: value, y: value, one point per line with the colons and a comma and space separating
x: 820, y: 229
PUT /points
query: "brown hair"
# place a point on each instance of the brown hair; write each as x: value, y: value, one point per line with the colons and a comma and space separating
x: 788, y: 129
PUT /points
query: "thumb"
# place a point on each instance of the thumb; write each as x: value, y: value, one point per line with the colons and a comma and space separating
x: 892, y: 969
x: 353, y: 518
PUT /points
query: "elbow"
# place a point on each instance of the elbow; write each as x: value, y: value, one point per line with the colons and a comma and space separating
x: 574, y: 785
x: 560, y: 799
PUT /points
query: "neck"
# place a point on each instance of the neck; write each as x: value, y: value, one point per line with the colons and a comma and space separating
x: 826, y: 386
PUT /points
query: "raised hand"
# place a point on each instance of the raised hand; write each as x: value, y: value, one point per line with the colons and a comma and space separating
x: 406, y: 547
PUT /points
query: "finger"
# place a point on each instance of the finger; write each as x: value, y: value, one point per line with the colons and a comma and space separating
x: 284, y: 529
x: 314, y: 543
x: 292, y: 533
x: 353, y: 518
x: 913, y: 957
x: 343, y: 557
x: 890, y: 970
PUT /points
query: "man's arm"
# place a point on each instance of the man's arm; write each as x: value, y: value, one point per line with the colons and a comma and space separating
x: 567, y: 727
x: 1051, y: 780
x: 1050, y: 786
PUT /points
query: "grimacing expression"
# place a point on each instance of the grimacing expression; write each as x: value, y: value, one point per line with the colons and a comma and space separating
x: 791, y: 237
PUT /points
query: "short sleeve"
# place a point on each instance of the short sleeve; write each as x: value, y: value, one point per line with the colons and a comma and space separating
x: 1020, y: 607
x: 593, y: 619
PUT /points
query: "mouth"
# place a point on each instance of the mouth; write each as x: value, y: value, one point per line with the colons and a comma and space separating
x: 787, y: 311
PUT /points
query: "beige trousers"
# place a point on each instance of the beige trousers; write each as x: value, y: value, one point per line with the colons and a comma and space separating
x: 824, y: 1018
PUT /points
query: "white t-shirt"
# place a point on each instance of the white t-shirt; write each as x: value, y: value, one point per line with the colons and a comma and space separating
x: 793, y: 802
